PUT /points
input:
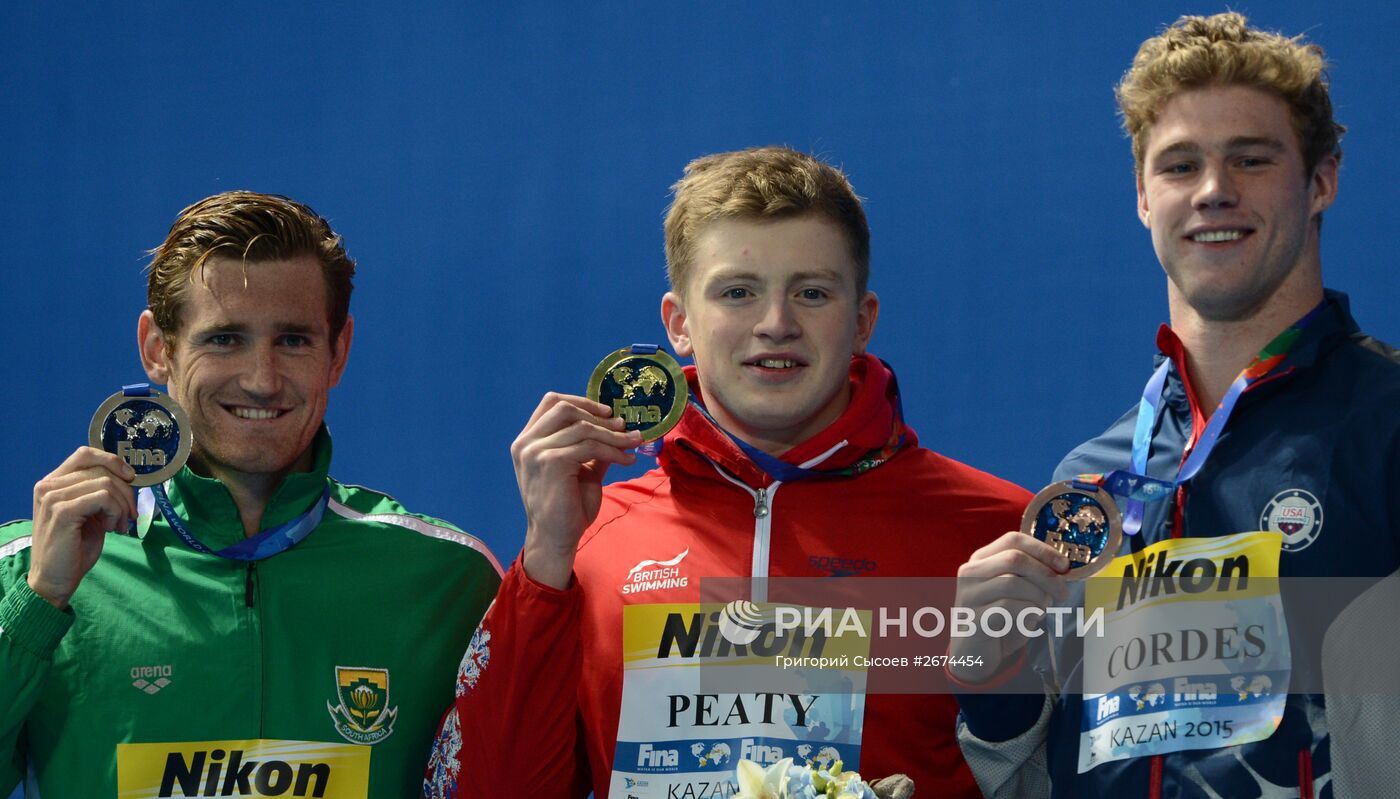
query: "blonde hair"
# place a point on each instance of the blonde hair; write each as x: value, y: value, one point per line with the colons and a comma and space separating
x: 761, y: 183
x: 252, y: 227
x: 1222, y: 50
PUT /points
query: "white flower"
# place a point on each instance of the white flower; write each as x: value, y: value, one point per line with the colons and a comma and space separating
x: 756, y: 782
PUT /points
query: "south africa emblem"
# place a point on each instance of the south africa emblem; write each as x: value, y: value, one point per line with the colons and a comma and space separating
x: 145, y: 428
x: 644, y: 386
x: 363, y: 715
x: 1080, y: 521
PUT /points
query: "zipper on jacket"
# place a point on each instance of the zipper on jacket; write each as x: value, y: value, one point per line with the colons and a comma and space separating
x: 762, y: 531
x: 248, y: 587
x: 763, y: 524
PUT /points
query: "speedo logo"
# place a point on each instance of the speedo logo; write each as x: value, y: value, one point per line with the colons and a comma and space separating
x: 691, y: 635
x: 841, y: 567
x: 654, y: 575
x: 1160, y: 574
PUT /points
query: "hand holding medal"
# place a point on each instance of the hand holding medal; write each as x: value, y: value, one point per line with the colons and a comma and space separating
x: 139, y: 437
x: 634, y: 396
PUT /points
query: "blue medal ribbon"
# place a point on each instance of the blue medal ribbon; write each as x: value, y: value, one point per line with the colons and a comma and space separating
x: 1134, y: 483
x: 263, y: 545
x: 785, y: 472
x: 653, y: 447
x: 776, y: 468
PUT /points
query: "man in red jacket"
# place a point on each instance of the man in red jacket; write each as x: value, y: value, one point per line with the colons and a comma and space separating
x: 792, y: 461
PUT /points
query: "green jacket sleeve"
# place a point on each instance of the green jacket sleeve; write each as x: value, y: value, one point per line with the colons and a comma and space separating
x: 30, y: 629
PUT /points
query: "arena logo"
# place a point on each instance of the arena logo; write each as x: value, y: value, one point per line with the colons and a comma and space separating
x: 1295, y: 513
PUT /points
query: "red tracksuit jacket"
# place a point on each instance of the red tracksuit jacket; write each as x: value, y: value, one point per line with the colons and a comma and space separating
x: 540, y: 689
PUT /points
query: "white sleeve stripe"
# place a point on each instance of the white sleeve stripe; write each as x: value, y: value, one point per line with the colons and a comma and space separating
x: 421, y: 527
x: 17, y: 545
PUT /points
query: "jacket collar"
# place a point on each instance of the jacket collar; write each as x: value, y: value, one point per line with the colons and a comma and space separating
x: 213, y: 516
x: 867, y: 424
x: 1333, y: 326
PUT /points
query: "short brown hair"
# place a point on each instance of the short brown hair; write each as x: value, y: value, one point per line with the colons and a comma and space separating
x: 254, y: 227
x: 761, y: 183
x: 1196, y: 52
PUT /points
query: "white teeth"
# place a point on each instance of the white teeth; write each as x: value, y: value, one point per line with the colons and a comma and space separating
x: 1211, y: 236
x: 771, y: 363
x: 255, y: 413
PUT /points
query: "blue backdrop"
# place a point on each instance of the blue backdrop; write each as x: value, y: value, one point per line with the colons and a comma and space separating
x: 500, y: 174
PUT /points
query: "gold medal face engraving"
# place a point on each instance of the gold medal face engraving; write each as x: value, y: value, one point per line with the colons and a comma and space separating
x: 151, y: 433
x: 646, y: 390
x: 1082, y: 523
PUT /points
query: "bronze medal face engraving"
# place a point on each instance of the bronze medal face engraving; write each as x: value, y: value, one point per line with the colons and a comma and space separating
x: 647, y: 390
x: 151, y: 433
x: 1083, y: 523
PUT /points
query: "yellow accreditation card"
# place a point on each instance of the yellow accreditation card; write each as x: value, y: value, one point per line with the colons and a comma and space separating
x: 1193, y: 652
x: 243, y: 769
x: 698, y: 694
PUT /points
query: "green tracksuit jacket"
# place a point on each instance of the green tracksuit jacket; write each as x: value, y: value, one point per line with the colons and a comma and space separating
x: 320, y: 671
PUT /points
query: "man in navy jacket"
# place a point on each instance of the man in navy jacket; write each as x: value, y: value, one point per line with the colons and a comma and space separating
x: 1270, y: 412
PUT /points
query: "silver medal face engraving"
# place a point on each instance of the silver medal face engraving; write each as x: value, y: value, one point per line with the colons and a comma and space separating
x: 647, y: 390
x: 151, y: 433
x: 1082, y: 523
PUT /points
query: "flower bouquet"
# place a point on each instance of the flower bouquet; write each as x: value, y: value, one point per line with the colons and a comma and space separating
x: 783, y: 780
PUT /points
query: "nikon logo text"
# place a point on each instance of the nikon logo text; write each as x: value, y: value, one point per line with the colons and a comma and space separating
x: 220, y: 773
x: 701, y: 636
x: 1161, y: 574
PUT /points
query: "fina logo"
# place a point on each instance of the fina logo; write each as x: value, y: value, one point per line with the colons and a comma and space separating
x: 1295, y: 513
x: 741, y: 621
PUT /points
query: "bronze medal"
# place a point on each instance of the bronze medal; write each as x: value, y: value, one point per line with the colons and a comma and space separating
x: 1080, y: 521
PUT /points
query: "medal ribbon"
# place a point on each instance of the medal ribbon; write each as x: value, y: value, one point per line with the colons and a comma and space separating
x: 1134, y: 483
x: 653, y: 447
x: 785, y: 472
x: 265, y: 544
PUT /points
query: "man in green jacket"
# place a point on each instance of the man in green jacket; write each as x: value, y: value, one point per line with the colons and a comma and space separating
x: 267, y: 630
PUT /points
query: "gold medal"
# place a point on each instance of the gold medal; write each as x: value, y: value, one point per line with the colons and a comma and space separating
x: 1080, y: 521
x: 644, y: 386
x: 145, y: 428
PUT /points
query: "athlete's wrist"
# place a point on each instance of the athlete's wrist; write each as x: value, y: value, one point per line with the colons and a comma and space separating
x: 548, y: 564
x: 54, y: 595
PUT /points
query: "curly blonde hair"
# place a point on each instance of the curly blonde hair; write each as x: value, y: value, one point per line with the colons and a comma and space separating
x: 1196, y: 52
x: 761, y: 183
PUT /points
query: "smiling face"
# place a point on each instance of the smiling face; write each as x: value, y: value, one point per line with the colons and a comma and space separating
x: 771, y: 315
x: 1231, y: 208
x: 252, y: 363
